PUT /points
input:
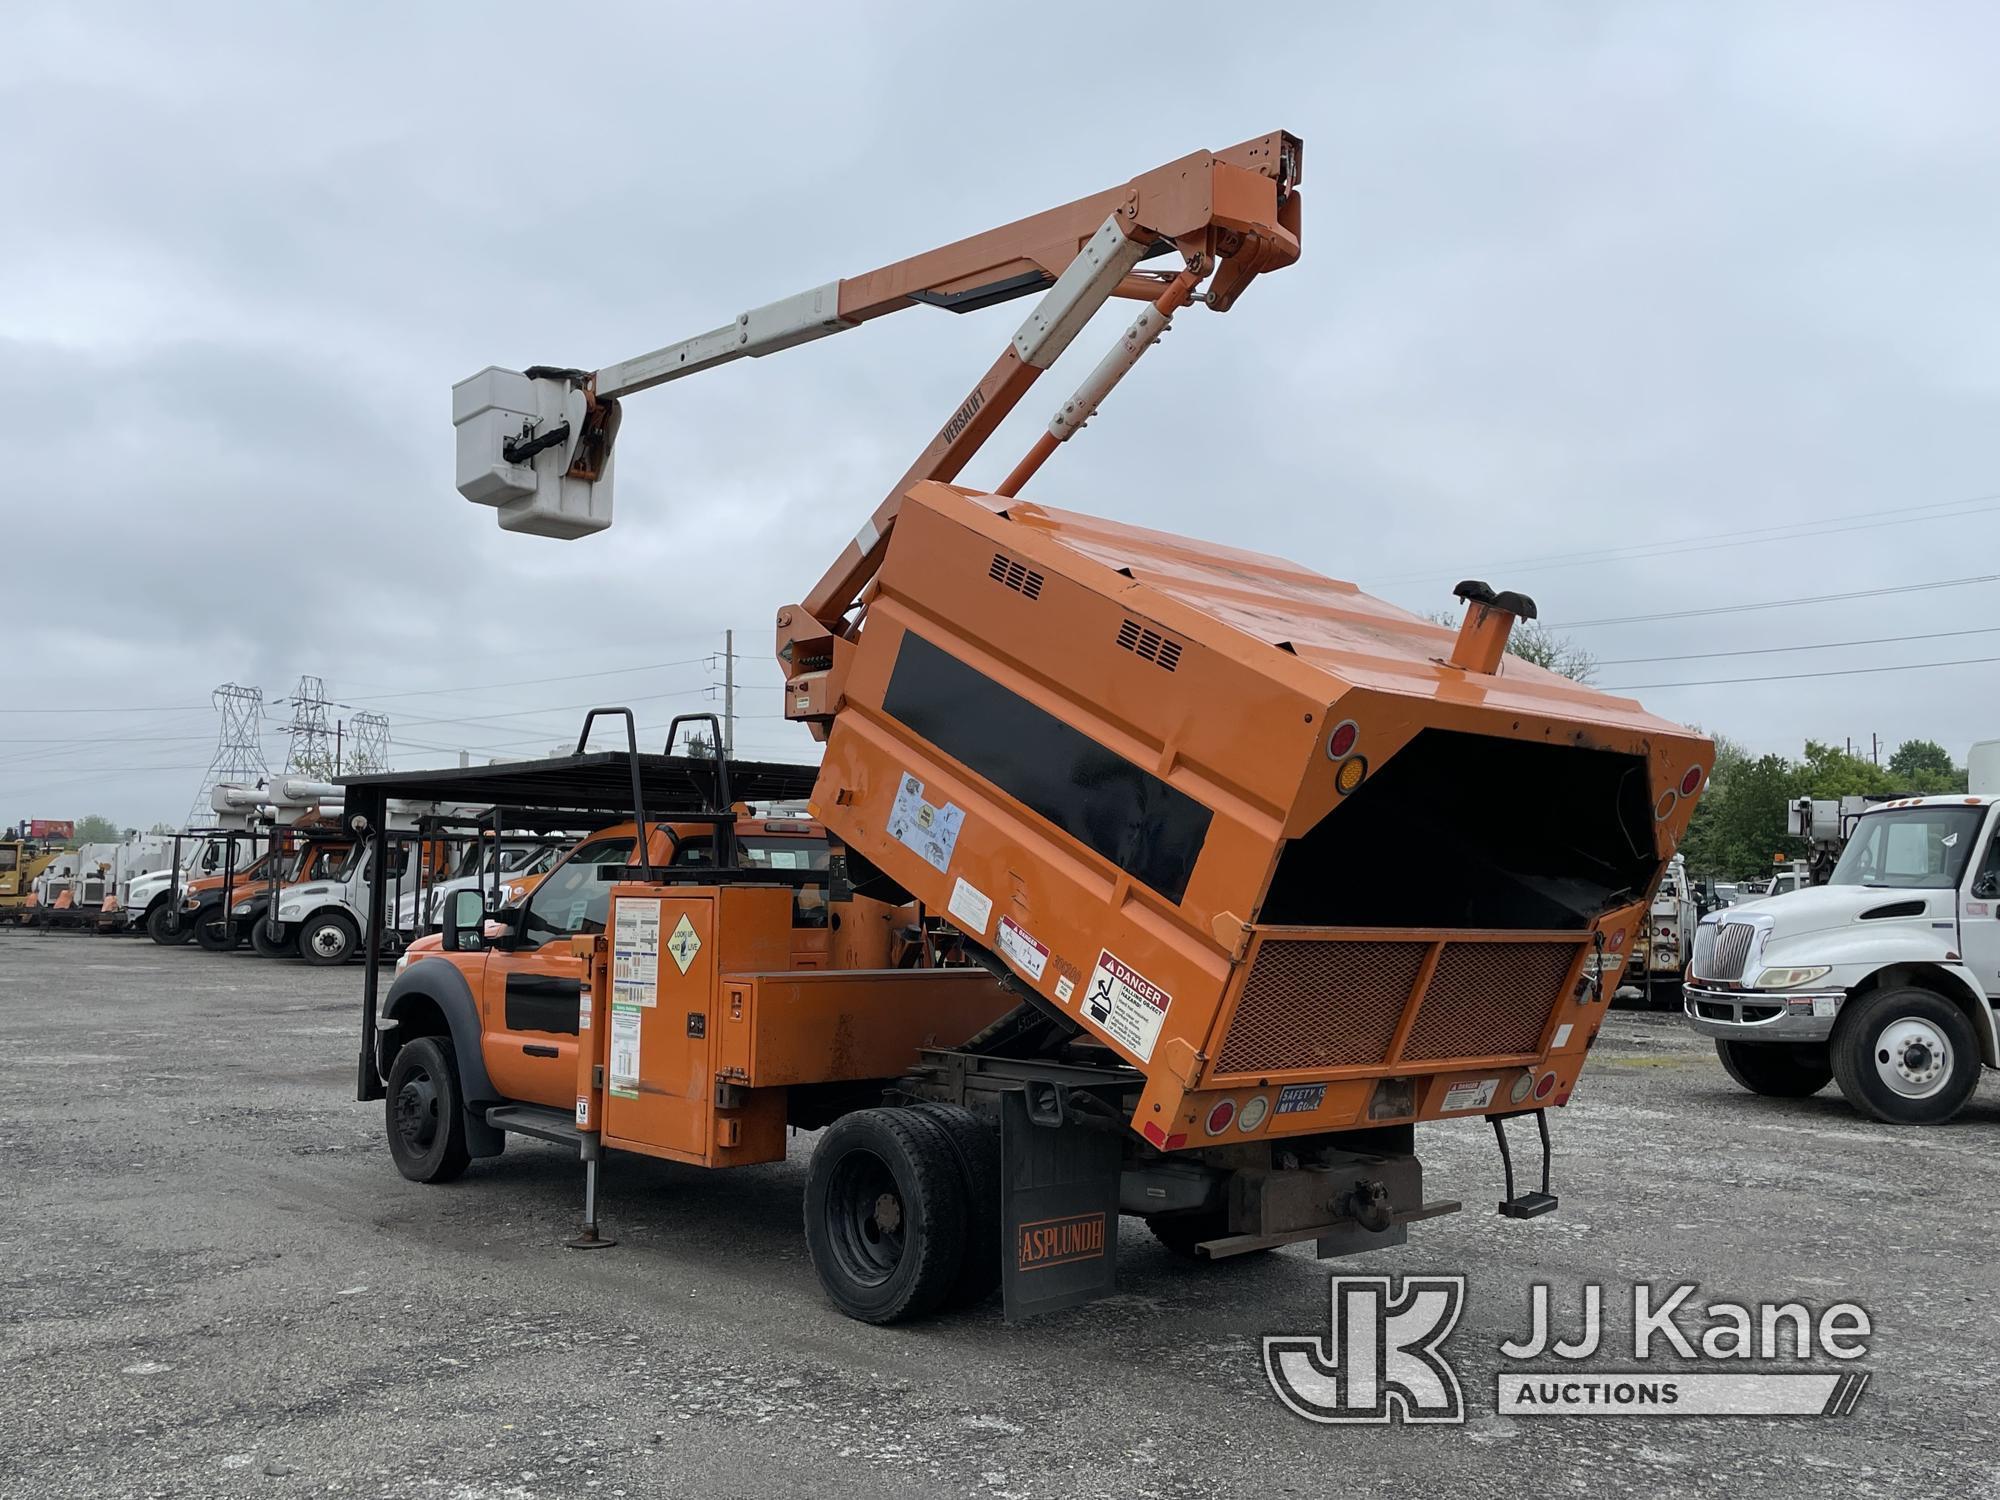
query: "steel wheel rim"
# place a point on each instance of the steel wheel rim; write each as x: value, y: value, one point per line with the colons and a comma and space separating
x: 866, y: 1222
x: 417, y: 1110
x: 1913, y: 1058
x: 329, y: 940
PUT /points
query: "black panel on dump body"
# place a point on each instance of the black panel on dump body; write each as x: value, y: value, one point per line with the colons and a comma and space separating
x: 1148, y: 829
x: 1469, y: 830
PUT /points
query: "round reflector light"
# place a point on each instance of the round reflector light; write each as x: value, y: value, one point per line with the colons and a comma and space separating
x: 1220, y: 1115
x: 1665, y: 805
x: 1617, y: 940
x: 1348, y: 777
x: 1253, y: 1112
x: 1340, y: 744
x: 1519, y: 1091
x: 1545, y: 1085
x: 1691, y: 783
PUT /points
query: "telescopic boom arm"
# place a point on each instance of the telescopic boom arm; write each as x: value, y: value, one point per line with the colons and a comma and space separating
x: 538, y: 443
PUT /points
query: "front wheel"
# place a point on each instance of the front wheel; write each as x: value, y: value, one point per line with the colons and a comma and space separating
x: 1906, y: 1056
x: 162, y: 929
x: 1779, y: 1070
x: 328, y: 938
x: 426, y: 1115
x: 216, y: 936
x: 886, y: 1215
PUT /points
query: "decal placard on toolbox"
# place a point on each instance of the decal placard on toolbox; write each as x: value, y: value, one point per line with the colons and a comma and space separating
x: 684, y: 944
x: 635, y: 953
x: 1301, y: 1098
x: 1065, y: 987
x: 624, y: 1061
x: 1473, y: 1093
x: 1029, y: 956
x: 971, y: 905
x: 930, y: 831
x: 1127, y: 1004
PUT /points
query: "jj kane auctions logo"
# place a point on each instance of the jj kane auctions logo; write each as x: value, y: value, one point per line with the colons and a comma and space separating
x: 1382, y: 1359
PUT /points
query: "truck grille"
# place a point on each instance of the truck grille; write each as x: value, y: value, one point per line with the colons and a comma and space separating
x: 1719, y: 951
x: 1319, y: 1004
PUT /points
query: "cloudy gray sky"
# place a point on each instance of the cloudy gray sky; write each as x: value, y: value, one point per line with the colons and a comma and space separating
x: 1642, y: 309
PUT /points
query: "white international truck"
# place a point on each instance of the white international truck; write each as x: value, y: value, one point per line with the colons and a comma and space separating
x: 1885, y: 978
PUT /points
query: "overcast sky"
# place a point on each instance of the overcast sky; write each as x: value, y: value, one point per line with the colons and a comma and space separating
x: 1640, y: 309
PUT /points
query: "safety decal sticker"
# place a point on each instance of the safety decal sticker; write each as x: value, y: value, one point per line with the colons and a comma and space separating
x: 1473, y: 1093
x: 635, y: 953
x: 931, y: 831
x: 971, y: 905
x: 1300, y: 1098
x: 624, y: 1069
x: 1065, y: 987
x: 1026, y: 954
x: 1126, y: 1004
x: 583, y: 1109
x: 684, y: 944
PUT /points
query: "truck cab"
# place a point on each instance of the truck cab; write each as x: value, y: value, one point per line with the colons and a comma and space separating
x: 1884, y: 979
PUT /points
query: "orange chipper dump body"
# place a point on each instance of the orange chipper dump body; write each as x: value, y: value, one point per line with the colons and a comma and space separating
x: 1268, y: 870
x: 1245, y: 825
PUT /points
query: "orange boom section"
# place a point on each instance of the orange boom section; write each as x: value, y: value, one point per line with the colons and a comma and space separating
x: 1244, y: 824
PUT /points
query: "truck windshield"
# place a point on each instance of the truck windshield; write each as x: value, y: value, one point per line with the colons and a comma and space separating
x: 1920, y: 848
x: 10, y: 857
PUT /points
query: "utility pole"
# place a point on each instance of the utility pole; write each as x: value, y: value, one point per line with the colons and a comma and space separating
x: 729, y: 693
x: 1875, y: 747
x: 339, y: 738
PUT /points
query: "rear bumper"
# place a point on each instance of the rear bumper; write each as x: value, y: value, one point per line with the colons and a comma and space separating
x: 1763, y: 1015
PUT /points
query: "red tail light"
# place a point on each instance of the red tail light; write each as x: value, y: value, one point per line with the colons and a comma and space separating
x: 1220, y: 1115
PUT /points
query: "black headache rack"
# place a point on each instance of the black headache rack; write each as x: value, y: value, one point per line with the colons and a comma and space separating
x: 586, y: 789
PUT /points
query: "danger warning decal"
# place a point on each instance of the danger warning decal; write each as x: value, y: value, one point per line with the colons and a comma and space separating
x: 1027, y: 953
x: 1126, y: 1004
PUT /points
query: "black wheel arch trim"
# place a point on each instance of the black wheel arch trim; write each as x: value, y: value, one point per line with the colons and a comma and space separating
x: 442, y: 985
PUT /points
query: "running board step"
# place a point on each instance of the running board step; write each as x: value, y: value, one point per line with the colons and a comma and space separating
x: 532, y: 1119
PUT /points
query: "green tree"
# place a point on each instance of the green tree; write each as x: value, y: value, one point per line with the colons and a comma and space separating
x: 97, y: 829
x: 1743, y: 817
x: 1831, y: 771
x: 1925, y: 766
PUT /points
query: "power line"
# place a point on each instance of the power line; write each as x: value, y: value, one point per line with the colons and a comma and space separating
x: 1880, y: 640
x: 1918, y: 666
x: 163, y: 708
x: 1734, y: 609
x: 654, y: 666
x: 1947, y: 510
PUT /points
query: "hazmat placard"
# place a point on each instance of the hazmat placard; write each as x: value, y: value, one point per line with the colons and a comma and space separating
x: 1126, y: 1004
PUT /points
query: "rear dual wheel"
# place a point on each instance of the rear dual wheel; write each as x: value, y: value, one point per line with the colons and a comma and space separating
x: 903, y: 1211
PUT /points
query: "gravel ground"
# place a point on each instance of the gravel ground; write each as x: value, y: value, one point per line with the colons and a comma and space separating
x: 216, y: 1284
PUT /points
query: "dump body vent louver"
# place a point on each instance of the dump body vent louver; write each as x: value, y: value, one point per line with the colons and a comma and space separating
x: 1149, y: 645
x: 1019, y: 577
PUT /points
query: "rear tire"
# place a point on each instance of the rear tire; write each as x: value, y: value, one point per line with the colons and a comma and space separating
x: 216, y: 936
x: 1905, y: 1056
x: 886, y: 1215
x: 424, y: 1112
x: 976, y: 1142
x: 327, y: 939
x: 1777, y: 1070
x: 157, y: 929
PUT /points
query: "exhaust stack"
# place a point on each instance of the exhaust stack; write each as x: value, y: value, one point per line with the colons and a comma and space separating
x: 1487, y: 626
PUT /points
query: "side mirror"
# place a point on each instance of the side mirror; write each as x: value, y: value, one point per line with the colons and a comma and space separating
x: 465, y: 922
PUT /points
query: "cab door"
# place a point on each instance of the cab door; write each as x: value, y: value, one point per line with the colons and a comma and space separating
x: 1979, y: 910
x: 528, y: 992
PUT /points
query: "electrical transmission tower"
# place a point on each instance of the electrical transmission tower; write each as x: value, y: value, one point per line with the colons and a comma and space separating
x: 371, y: 743
x: 239, y: 753
x: 311, y: 752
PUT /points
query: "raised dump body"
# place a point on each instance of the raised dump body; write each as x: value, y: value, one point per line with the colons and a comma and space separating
x: 1244, y: 824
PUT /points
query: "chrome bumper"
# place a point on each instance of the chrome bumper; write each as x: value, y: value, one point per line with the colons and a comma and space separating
x: 1762, y: 1015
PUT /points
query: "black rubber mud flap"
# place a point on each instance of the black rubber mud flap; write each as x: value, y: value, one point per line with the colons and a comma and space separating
x: 1059, y: 1213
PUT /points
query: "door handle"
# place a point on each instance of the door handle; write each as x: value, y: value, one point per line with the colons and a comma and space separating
x: 533, y: 1050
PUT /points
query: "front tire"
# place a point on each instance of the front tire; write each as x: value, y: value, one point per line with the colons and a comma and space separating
x: 886, y: 1215
x: 216, y: 936
x: 1906, y: 1056
x: 329, y: 938
x: 268, y: 946
x: 159, y: 930
x: 425, y: 1113
x: 1778, y: 1070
